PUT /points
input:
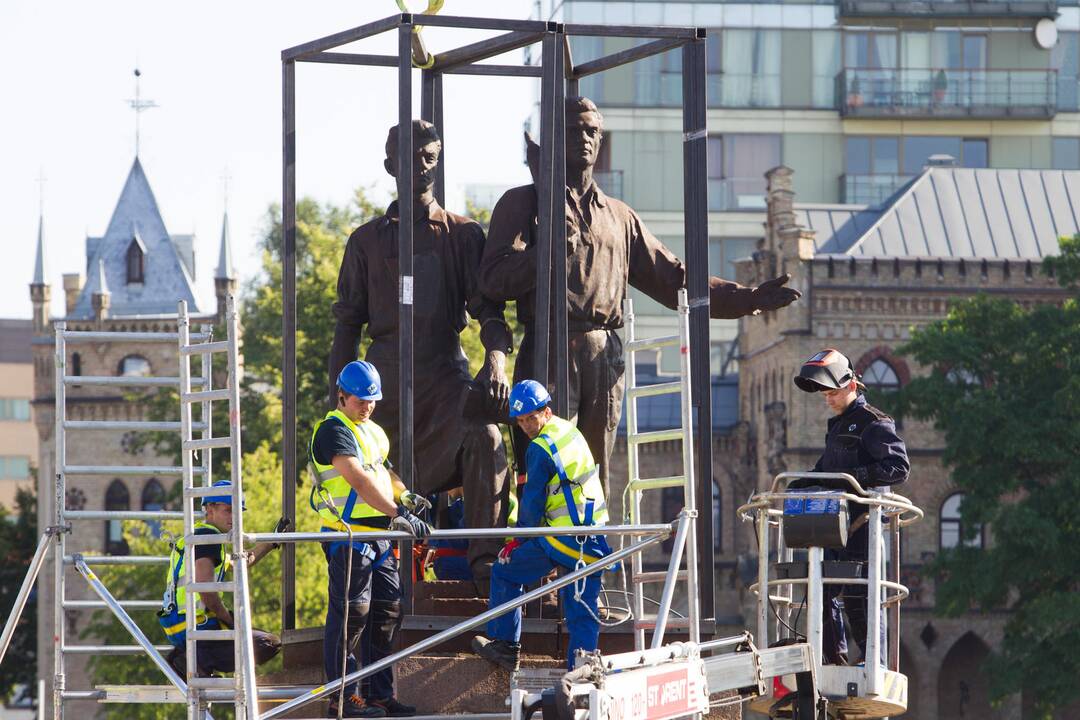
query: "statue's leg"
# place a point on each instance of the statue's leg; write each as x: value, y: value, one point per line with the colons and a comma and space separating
x: 484, y: 476
x: 597, y: 374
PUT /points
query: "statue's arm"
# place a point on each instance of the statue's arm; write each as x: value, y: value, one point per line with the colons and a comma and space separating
x: 350, y: 311
x: 508, y: 264
x: 495, y: 334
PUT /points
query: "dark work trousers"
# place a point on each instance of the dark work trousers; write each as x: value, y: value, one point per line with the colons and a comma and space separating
x: 217, y: 656
x: 595, y: 369
x: 853, y: 599
x: 373, y: 617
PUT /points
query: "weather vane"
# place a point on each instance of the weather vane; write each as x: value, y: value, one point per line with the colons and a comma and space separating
x: 139, y: 105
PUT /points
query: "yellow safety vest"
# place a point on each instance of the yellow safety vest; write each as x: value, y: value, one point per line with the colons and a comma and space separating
x: 575, y: 495
x: 174, y: 607
x: 373, y: 446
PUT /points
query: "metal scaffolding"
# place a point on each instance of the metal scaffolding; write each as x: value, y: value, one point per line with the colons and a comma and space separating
x: 559, y: 77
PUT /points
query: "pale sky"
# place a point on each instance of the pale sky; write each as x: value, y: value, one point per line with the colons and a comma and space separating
x: 214, y: 69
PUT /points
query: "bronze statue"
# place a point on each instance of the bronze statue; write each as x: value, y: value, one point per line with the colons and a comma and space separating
x: 608, y: 247
x: 450, y: 449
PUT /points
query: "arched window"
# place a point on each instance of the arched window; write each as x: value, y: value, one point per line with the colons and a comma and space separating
x: 116, y: 498
x: 953, y: 529
x: 153, y: 498
x: 135, y: 258
x: 135, y: 365
x: 880, y: 375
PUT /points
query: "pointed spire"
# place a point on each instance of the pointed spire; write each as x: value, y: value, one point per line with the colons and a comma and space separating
x: 41, y: 268
x: 102, y: 287
x: 225, y: 270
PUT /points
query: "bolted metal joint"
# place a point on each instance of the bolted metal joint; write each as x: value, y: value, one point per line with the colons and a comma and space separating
x: 54, y: 530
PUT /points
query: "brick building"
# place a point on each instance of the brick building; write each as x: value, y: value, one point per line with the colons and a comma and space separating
x: 135, y: 275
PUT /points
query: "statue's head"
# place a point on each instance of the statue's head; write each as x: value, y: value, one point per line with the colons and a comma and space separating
x: 584, y: 133
x: 427, y: 146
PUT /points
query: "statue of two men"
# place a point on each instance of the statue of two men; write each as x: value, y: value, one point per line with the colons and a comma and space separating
x: 457, y: 272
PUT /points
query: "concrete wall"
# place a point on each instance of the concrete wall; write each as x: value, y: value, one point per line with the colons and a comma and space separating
x: 17, y: 438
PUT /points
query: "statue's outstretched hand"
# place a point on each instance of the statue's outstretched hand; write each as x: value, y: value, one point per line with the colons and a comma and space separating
x: 774, y: 294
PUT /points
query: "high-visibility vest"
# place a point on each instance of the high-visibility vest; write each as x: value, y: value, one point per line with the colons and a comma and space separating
x: 173, y: 613
x: 372, y: 448
x: 575, y: 495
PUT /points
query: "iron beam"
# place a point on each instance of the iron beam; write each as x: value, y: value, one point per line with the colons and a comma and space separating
x: 626, y: 56
x: 431, y: 110
x: 341, y: 38
x: 632, y: 31
x: 544, y: 192
x: 468, y: 54
x: 501, y: 70
x: 696, y: 229
x: 288, y: 336
x: 558, y: 230
x: 340, y: 58
x: 475, y: 23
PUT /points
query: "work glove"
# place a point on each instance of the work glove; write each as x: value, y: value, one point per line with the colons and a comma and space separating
x: 774, y: 294
x: 508, y: 550
x: 284, y: 524
x: 407, y: 522
x: 414, y: 502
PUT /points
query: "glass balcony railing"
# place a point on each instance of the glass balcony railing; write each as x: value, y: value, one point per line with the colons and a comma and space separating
x: 948, y: 8
x: 870, y: 189
x: 740, y: 193
x: 872, y: 92
x: 610, y: 182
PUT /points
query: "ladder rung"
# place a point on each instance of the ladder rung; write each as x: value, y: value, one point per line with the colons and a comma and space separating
x: 657, y: 576
x: 127, y: 380
x: 649, y: 623
x: 218, y: 587
x: 652, y: 343
x: 127, y: 470
x: 207, y: 443
x: 122, y: 515
x: 95, y: 336
x: 208, y: 539
x: 136, y: 425
x: 207, y: 347
x: 202, y: 491
x: 111, y: 649
x: 657, y: 483
x: 206, y: 395
x: 657, y: 389
x: 655, y: 436
x: 119, y: 559
x: 212, y: 634
x: 97, y: 604
x: 215, y: 683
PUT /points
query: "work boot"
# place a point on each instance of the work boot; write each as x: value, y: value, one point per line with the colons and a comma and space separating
x: 505, y: 654
x: 393, y: 708
x: 355, y: 707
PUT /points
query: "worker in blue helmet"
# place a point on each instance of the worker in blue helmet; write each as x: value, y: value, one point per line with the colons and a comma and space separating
x: 212, y: 564
x: 562, y: 489
x: 355, y: 490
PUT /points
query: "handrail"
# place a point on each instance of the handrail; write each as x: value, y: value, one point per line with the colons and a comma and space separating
x: 662, y: 529
x: 892, y: 504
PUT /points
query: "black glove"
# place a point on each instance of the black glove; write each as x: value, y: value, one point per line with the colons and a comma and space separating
x: 284, y: 524
x: 774, y: 294
x: 407, y: 522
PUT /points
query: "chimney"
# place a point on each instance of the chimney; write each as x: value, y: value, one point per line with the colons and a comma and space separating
x: 73, y: 285
x: 101, y: 298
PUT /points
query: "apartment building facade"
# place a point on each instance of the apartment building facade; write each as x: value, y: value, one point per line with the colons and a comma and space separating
x: 18, y: 437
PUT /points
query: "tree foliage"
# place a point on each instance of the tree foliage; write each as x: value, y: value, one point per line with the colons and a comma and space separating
x: 1004, y: 390
x: 18, y: 541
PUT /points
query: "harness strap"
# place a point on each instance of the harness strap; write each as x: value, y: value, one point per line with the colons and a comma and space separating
x: 564, y: 482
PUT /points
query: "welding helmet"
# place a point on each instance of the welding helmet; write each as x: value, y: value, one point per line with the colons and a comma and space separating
x: 827, y: 370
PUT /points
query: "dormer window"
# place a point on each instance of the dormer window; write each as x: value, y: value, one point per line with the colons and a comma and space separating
x: 135, y: 262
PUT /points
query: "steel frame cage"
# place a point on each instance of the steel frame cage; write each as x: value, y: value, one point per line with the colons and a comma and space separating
x: 559, y: 77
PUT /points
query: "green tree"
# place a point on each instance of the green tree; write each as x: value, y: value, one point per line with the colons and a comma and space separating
x: 1004, y: 390
x: 18, y: 541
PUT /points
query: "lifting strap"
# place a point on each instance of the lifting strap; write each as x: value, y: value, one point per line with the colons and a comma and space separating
x: 434, y: 6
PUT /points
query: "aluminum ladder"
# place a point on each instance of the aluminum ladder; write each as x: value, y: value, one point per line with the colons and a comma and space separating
x: 66, y: 521
x: 685, y: 537
x: 243, y: 681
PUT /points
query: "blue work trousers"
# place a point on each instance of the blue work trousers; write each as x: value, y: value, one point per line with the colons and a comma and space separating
x: 531, y: 561
x: 373, y: 617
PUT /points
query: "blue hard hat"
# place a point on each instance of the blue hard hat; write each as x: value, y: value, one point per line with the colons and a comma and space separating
x: 224, y: 499
x: 526, y: 397
x: 360, y: 378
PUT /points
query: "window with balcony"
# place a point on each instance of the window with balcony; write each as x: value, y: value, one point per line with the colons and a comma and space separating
x: 1065, y: 58
x: 737, y: 165
x: 876, y: 167
x: 1066, y: 153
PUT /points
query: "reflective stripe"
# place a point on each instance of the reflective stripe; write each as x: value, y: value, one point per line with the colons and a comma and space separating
x: 372, y: 446
x: 570, y: 552
x: 575, y: 495
x: 175, y: 593
x: 178, y: 627
x: 599, y: 513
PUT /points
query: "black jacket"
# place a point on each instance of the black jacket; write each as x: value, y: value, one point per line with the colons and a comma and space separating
x: 862, y: 441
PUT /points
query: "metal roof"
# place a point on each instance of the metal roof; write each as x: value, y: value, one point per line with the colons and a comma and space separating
x: 956, y: 212
x: 166, y: 275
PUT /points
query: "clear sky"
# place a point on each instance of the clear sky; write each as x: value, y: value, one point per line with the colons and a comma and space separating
x: 214, y: 70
